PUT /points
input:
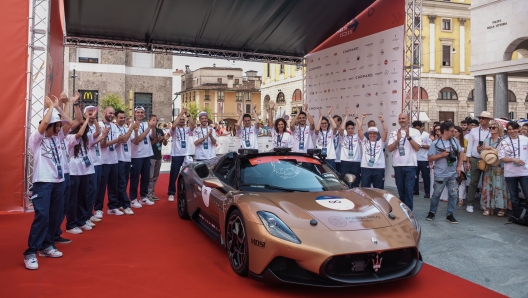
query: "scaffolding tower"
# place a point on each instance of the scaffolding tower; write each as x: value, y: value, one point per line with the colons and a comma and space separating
x: 412, y: 63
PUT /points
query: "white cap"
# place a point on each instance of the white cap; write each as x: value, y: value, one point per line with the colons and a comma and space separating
x: 55, y: 117
x: 373, y: 129
x: 88, y: 108
x: 203, y: 113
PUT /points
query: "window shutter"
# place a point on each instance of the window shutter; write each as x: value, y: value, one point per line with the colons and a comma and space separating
x: 143, y: 60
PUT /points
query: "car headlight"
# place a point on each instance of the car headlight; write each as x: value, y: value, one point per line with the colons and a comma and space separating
x: 277, y: 227
x: 411, y: 216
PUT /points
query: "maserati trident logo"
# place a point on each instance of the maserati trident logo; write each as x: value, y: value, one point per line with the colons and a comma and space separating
x: 374, y: 240
x: 376, y: 264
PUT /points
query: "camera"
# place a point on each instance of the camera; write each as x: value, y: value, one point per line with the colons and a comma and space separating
x: 452, y: 157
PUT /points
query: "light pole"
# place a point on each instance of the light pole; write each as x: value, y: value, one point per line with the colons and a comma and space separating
x: 176, y: 96
x: 74, y: 77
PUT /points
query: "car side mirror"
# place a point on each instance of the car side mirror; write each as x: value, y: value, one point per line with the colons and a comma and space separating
x: 215, y: 183
x: 350, y: 178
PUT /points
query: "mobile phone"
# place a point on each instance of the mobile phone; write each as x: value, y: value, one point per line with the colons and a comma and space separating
x: 481, y: 143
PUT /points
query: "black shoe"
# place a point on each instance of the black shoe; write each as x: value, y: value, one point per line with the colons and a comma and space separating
x: 450, y: 218
x: 430, y: 216
x: 61, y: 240
x: 427, y: 196
x: 416, y: 193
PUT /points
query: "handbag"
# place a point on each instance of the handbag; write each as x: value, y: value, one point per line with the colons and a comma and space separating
x: 482, y: 165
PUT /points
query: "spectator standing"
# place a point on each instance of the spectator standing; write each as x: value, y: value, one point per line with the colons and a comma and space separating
x: 124, y: 157
x: 475, y: 142
x: 404, y: 143
x: 155, y: 160
x: 325, y: 132
x: 462, y: 187
x: 513, y: 152
x: 370, y: 124
x: 435, y: 136
x: 302, y: 133
x: 280, y: 136
x: 423, y: 162
x: 247, y: 133
x: 524, y: 130
x: 349, y: 150
x: 205, y: 139
x: 94, y: 153
x: 464, y: 126
x: 337, y: 142
x: 446, y: 153
x: 373, y: 159
x: 181, y: 148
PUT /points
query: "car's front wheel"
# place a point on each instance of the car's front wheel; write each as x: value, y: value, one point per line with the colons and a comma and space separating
x: 182, y: 200
x: 237, y: 244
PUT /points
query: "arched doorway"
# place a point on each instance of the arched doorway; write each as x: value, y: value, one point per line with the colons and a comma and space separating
x: 520, y: 45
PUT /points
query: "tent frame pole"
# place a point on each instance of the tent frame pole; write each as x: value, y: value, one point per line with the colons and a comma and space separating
x: 413, y: 58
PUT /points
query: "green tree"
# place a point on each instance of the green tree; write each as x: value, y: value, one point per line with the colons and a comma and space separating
x: 193, y: 110
x: 112, y: 100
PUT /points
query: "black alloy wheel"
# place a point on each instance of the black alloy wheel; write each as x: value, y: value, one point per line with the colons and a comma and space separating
x: 182, y: 199
x: 237, y: 244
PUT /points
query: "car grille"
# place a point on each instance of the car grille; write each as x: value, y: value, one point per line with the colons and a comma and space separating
x: 354, y: 266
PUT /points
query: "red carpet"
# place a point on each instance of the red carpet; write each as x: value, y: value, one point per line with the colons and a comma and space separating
x: 155, y: 254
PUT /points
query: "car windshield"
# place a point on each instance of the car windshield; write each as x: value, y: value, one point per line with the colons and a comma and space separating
x: 288, y: 174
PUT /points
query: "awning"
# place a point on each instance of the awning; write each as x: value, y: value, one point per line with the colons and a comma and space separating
x: 423, y: 117
x: 281, y: 28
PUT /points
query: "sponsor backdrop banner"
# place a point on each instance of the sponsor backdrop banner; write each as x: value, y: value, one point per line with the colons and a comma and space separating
x: 361, y: 67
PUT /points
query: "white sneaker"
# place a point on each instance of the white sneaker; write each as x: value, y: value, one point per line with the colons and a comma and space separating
x: 31, y: 262
x: 86, y: 227
x: 171, y: 198
x: 52, y: 253
x: 469, y: 209
x: 114, y: 212
x: 129, y: 211
x: 75, y: 230
x: 146, y: 201
x: 135, y: 204
x: 99, y: 214
x: 94, y: 219
x: 90, y: 223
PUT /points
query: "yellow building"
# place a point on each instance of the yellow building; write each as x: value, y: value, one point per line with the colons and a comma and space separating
x: 282, y: 83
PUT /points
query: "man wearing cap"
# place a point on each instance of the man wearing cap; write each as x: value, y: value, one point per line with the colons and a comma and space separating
x: 404, y: 143
x: 181, y: 147
x: 141, y: 153
x: 246, y: 133
x: 94, y: 154
x: 48, y: 183
x: 205, y: 139
x: 446, y: 153
x: 110, y: 168
x: 124, y: 157
x: 476, y: 139
x: 302, y: 133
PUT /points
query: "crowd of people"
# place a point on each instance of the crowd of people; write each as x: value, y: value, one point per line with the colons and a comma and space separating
x: 78, y: 162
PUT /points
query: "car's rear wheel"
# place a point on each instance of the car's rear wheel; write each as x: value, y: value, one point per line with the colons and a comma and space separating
x: 182, y: 200
x: 237, y: 244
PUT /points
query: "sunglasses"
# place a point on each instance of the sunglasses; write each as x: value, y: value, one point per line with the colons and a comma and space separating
x: 494, y: 127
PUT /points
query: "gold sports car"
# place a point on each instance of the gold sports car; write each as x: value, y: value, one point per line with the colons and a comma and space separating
x: 287, y: 217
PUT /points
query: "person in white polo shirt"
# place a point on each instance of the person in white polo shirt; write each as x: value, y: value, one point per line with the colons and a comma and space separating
x: 422, y: 161
x: 247, y: 133
x: 141, y: 153
x: 48, y: 183
x: 181, y: 148
x: 280, y: 136
x: 373, y: 158
x: 404, y: 143
x: 204, y: 139
x: 349, y: 150
x: 513, y: 151
x: 302, y: 133
x: 325, y: 132
x: 124, y: 157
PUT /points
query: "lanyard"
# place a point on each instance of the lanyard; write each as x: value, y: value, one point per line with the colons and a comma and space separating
x: 82, y: 149
x: 443, y: 143
x: 206, y: 132
x: 372, y: 153
x: 518, y: 147
x: 497, y: 143
x: 350, y: 140
x: 301, y: 133
x: 182, y: 135
x: 324, y: 138
x: 279, y: 139
x: 111, y: 135
x: 480, y: 129
x: 55, y: 154
x: 66, y: 150
x: 122, y: 130
x: 246, y: 133
x: 404, y: 139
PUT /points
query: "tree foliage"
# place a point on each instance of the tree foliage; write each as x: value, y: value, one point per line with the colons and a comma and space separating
x: 112, y: 100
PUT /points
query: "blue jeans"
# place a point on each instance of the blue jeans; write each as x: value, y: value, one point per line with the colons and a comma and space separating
x: 452, y: 191
x: 351, y: 167
x: 423, y: 166
x: 176, y: 164
x: 140, y: 167
x: 405, y: 177
x: 109, y: 176
x: 47, y: 203
x: 78, y: 198
x: 373, y: 176
x: 124, y: 176
x: 513, y: 187
x: 67, y: 187
x: 92, y: 192
x: 331, y: 163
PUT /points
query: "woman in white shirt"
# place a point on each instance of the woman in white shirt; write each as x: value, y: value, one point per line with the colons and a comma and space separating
x: 325, y: 135
x: 373, y: 159
x: 280, y: 136
x: 350, y: 150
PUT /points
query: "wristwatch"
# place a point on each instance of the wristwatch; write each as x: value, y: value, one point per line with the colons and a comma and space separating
x: 409, y: 138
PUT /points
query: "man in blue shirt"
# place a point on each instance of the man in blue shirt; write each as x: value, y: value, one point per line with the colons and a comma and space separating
x: 446, y: 153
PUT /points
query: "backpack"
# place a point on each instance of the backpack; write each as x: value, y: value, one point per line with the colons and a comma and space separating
x: 521, y: 216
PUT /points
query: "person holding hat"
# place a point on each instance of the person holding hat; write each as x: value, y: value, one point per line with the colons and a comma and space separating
x: 476, y: 139
x: 48, y: 182
x: 205, y: 139
x: 247, y: 133
x: 349, y: 150
x: 494, y: 188
x: 373, y: 159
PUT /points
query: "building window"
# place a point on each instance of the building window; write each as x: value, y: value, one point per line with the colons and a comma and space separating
x: 239, y: 96
x: 470, y: 95
x: 447, y: 94
x: 267, y: 101
x: 446, y: 55
x: 239, y: 106
x: 423, y: 94
x: 511, y: 97
x: 237, y: 81
x: 282, y: 68
x: 193, y: 95
x: 219, y: 80
x: 280, y: 98
x: 268, y: 67
x: 416, y: 55
x: 526, y: 99
x: 297, y: 95
x: 446, y: 24
x: 143, y: 60
x: 144, y: 100
x: 88, y: 55
x: 206, y: 95
x: 206, y: 105
x: 220, y: 95
x: 298, y: 66
x: 248, y: 108
x: 221, y: 108
x: 417, y: 22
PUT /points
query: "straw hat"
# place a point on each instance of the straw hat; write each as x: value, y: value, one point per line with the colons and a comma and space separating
x: 490, y: 157
x: 485, y: 114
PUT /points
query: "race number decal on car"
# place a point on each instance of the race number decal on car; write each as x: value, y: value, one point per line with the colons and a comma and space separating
x: 334, y: 202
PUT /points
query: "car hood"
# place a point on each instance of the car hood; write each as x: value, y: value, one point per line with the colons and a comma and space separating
x: 345, y: 210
